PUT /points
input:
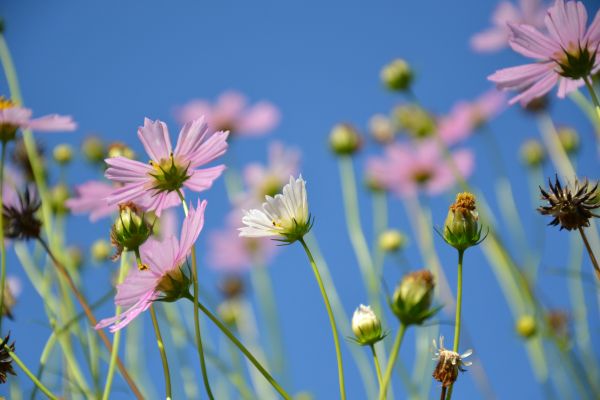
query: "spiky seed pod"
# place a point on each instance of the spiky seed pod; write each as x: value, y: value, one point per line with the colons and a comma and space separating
x: 20, y: 220
x: 5, y: 359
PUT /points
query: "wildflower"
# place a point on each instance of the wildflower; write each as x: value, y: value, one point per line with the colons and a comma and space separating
x: 381, y: 129
x: 164, y: 280
x: 571, y: 207
x: 93, y: 149
x: 14, y: 117
x: 461, y: 228
x: 285, y: 215
x: 20, y: 220
x: 449, y: 364
x: 91, y: 197
x: 391, y: 240
x: 5, y: 359
x: 526, y: 326
x: 130, y: 231
x: 344, y: 140
x: 232, y: 113
x: 168, y: 171
x: 565, y: 56
x: 529, y: 12
x: 63, y: 154
x: 397, y: 75
x: 415, y: 120
x: 532, y: 153
x: 466, y: 117
x: 406, y: 169
x: 411, y: 301
x: 366, y: 326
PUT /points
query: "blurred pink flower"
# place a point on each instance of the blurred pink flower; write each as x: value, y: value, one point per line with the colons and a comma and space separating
x: 168, y: 170
x: 91, y: 197
x: 16, y: 117
x: 164, y: 259
x: 407, y: 168
x: 530, y: 12
x: 466, y: 117
x: 563, y: 56
x: 232, y: 113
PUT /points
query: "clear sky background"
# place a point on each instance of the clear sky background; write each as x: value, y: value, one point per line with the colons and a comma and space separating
x: 112, y: 63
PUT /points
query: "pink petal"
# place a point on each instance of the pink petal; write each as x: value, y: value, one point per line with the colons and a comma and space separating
x: 259, y: 119
x: 521, y: 76
x: 493, y: 39
x: 540, y: 88
x: 205, y: 152
x: 190, y: 230
x: 124, y: 170
x: 190, y: 138
x: 51, y: 123
x: 532, y: 43
x: 155, y: 138
x: 202, y: 179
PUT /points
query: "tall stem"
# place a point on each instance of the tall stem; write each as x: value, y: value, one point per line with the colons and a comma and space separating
x: 241, y: 347
x: 336, y: 339
x: 197, y: 332
x: 458, y: 311
x: 590, y: 252
x: 30, y: 374
x: 393, y: 357
x: 2, y: 244
x: 377, y: 367
x: 590, y: 88
x: 163, y: 354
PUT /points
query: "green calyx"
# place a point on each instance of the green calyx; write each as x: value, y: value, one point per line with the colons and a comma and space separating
x: 169, y: 175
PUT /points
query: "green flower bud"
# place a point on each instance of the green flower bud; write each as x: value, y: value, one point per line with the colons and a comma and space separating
x: 229, y: 311
x: 366, y: 326
x: 462, y: 229
x: 119, y: 149
x: 93, y: 149
x: 100, y: 250
x: 58, y: 198
x: 381, y: 129
x: 412, y: 298
x: 391, y: 240
x: 130, y: 230
x: 526, y: 326
x: 569, y: 139
x: 397, y: 75
x: 63, y: 154
x: 414, y: 120
x: 532, y: 153
x: 344, y: 139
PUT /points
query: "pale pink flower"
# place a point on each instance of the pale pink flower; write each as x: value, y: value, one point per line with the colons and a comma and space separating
x: 168, y: 171
x: 164, y: 260
x: 530, y: 12
x: 17, y: 117
x: 232, y: 113
x: 563, y: 56
x: 466, y: 117
x: 407, y: 168
x: 91, y: 197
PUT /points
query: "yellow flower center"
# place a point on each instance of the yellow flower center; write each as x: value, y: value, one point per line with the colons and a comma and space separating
x: 6, y: 103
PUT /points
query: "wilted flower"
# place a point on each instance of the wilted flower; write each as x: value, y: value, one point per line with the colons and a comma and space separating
x: 5, y: 359
x: 20, y: 220
x: 532, y: 153
x: 571, y: 207
x: 397, y: 75
x: 391, y: 240
x: 565, y: 56
x: 344, y: 139
x: 285, y: 215
x: 461, y: 228
x: 164, y: 279
x: 366, y: 326
x: 449, y: 364
x: 130, y: 231
x: 415, y: 120
x: 232, y: 113
x: 168, y: 171
x: 526, y: 326
x: 411, y: 301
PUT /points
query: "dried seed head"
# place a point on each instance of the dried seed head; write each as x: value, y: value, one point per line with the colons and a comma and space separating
x: 20, y: 220
x: 5, y: 359
x: 449, y: 364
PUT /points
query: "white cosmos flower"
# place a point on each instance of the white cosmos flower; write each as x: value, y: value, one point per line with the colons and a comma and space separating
x: 285, y: 215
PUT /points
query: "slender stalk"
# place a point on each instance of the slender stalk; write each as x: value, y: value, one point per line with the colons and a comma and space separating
x: 163, y: 354
x: 197, y: 331
x: 377, y: 367
x: 240, y: 346
x: 90, y: 316
x: 390, y: 367
x: 590, y: 88
x: 443, y: 393
x: 590, y: 252
x: 2, y: 244
x: 116, y: 338
x: 336, y: 339
x: 458, y: 310
x: 31, y: 376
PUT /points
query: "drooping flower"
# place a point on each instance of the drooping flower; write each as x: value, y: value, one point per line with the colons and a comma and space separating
x: 407, y: 168
x: 285, y: 215
x: 572, y: 207
x: 232, y: 113
x: 91, y: 197
x: 530, y: 12
x: 449, y: 364
x: 466, y: 117
x: 168, y: 171
x: 164, y: 279
x: 14, y: 117
x: 565, y: 56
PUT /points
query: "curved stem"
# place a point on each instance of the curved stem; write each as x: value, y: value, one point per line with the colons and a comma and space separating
x: 2, y: 244
x: 240, y: 346
x: 197, y: 331
x: 163, y: 354
x: 377, y: 367
x: 458, y: 311
x: 31, y: 376
x: 393, y: 356
x: 336, y: 339
x: 590, y: 252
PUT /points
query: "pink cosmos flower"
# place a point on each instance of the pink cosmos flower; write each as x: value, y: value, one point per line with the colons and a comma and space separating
x: 407, y: 168
x: 168, y: 171
x: 164, y: 259
x: 232, y: 113
x: 530, y: 12
x: 16, y: 117
x: 466, y: 117
x: 91, y: 197
x: 563, y: 56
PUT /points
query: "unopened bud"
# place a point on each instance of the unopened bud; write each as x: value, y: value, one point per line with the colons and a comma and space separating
x: 569, y: 139
x: 229, y: 311
x: 119, y: 149
x: 93, y: 149
x: 412, y: 298
x: 532, y: 153
x: 526, y: 326
x: 381, y: 129
x: 100, y: 250
x: 414, y: 120
x: 366, y: 326
x: 59, y: 196
x: 344, y: 139
x: 397, y: 75
x: 462, y: 229
x: 63, y: 154
x: 391, y: 240
x: 130, y: 230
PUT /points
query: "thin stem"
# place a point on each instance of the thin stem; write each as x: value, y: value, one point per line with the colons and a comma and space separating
x: 31, y: 376
x: 443, y: 393
x: 590, y: 88
x: 163, y: 354
x: 197, y: 331
x: 116, y: 338
x: 377, y: 367
x: 590, y: 252
x: 336, y: 339
x: 90, y: 316
x: 240, y: 346
x: 2, y: 244
x: 393, y: 356
x: 458, y: 311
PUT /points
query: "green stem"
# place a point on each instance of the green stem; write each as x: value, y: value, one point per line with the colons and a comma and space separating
x: 590, y: 252
x: 31, y: 376
x: 240, y: 346
x: 117, y: 337
x: 459, y: 286
x: 590, y: 88
x: 163, y: 354
x: 197, y: 331
x: 390, y: 367
x: 2, y: 244
x: 336, y: 340
x: 377, y: 367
